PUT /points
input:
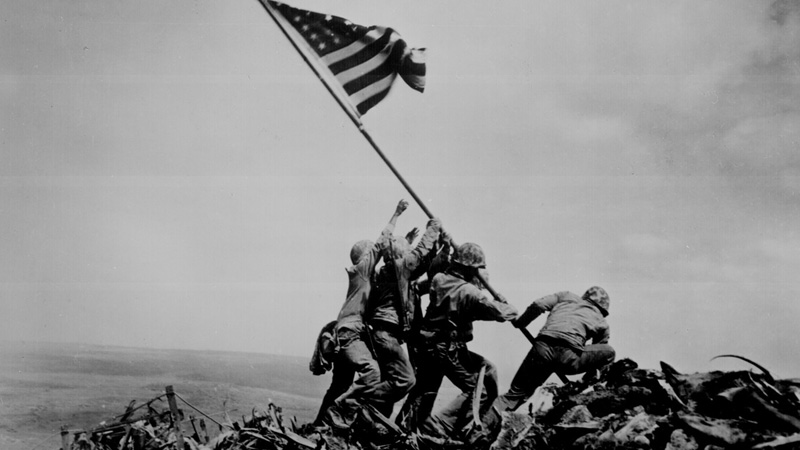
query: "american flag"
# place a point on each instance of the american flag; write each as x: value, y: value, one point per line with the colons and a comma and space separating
x: 363, y: 60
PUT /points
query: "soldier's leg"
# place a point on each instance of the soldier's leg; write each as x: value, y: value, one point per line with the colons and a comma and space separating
x: 342, y: 380
x: 592, y: 357
x: 396, y: 371
x: 462, y: 368
x: 535, y: 369
x: 419, y: 403
x: 356, y: 355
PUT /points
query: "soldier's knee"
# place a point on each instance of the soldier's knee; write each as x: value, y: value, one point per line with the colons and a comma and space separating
x: 611, y: 354
x: 370, y: 371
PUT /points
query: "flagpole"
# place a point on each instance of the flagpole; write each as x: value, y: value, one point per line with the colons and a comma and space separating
x: 360, y: 125
x: 350, y: 113
x: 395, y: 172
x: 348, y: 110
x: 355, y: 118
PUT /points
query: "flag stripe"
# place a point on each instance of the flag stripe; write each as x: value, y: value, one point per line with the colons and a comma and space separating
x: 359, y: 63
x: 368, y: 51
x: 381, y: 85
x: 375, y: 63
x: 352, y: 49
x: 372, y: 94
x: 368, y: 78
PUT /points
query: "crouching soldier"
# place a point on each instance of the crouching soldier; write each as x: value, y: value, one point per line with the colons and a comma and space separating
x: 456, y: 301
x: 355, y: 356
x: 561, y: 345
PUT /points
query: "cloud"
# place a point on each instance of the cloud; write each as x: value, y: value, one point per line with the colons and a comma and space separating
x: 783, y: 10
x: 709, y: 89
x: 725, y: 260
x: 650, y: 245
x: 765, y: 145
x: 731, y: 108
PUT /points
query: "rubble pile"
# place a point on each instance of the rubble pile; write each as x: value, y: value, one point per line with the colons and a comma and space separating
x: 150, y: 427
x: 628, y: 407
x: 622, y: 407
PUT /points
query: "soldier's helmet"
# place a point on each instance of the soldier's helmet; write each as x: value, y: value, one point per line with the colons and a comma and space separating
x: 470, y: 255
x: 360, y: 249
x: 599, y: 297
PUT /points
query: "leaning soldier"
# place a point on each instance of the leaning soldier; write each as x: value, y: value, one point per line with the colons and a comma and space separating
x: 394, y: 311
x: 561, y: 346
x: 456, y: 301
x: 355, y: 356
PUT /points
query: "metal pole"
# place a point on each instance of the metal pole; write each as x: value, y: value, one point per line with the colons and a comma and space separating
x: 278, y: 18
x: 357, y: 122
x: 176, y: 419
x: 349, y: 111
x: 65, y: 440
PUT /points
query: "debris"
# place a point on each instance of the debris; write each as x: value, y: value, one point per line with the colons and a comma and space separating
x: 577, y: 414
x: 514, y: 429
x: 639, y: 426
x: 718, y: 431
x: 622, y: 407
x: 679, y: 440
x: 780, y: 442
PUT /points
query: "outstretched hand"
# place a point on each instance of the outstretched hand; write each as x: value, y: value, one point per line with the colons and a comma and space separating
x: 402, y: 205
x: 411, y: 235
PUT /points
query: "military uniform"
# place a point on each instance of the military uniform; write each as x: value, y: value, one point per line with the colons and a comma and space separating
x: 355, y: 355
x: 394, y: 309
x: 454, y: 304
x: 561, y: 343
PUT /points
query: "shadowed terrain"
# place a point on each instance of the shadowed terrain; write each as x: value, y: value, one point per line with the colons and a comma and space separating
x: 46, y: 385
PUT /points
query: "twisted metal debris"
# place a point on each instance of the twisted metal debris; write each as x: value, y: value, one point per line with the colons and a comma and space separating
x: 622, y: 407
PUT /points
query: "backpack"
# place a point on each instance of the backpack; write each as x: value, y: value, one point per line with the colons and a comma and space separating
x: 325, y: 350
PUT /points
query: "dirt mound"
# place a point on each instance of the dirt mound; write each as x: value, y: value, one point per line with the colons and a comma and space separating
x: 621, y: 407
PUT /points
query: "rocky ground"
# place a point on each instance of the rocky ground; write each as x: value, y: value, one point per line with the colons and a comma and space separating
x: 623, y: 406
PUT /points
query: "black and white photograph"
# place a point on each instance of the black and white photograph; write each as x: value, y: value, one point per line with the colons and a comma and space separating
x: 360, y: 225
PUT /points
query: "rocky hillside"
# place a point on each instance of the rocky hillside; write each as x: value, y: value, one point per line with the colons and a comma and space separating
x: 623, y: 406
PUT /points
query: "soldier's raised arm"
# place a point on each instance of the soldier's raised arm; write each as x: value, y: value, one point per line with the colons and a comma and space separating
x: 387, y: 232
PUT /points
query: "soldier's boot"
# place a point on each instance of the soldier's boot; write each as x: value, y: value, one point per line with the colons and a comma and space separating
x: 342, y: 414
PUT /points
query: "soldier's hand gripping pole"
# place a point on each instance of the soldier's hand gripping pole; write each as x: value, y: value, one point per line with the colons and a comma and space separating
x: 419, y: 201
x: 499, y: 298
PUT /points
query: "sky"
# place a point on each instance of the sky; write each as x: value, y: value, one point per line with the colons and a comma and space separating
x: 172, y: 175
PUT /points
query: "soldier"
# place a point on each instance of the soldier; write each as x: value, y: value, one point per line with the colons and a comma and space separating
x: 394, y: 311
x: 355, y: 356
x: 456, y: 300
x: 561, y: 343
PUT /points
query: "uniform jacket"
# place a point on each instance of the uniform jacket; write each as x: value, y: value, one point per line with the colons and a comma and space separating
x: 359, y: 286
x: 572, y: 319
x: 395, y: 303
x: 455, y: 304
